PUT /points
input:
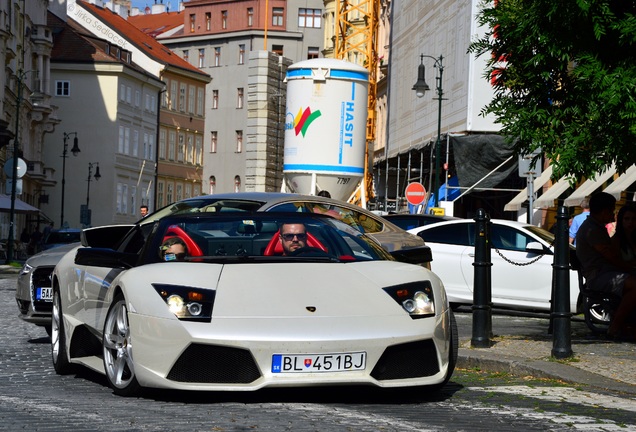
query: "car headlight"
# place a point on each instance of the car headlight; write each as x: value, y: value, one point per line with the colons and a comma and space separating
x: 416, y: 298
x: 26, y: 269
x: 187, y: 303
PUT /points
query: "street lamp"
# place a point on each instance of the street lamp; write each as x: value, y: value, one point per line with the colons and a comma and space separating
x: 75, y: 150
x: 85, y: 213
x: 20, y: 75
x: 420, y: 88
x: 97, y: 176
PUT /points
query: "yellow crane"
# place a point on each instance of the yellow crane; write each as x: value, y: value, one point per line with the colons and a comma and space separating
x: 357, y: 23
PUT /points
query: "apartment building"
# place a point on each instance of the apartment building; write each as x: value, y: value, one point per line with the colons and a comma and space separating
x: 245, y: 46
x: 107, y: 105
x: 162, y: 144
x: 27, y: 113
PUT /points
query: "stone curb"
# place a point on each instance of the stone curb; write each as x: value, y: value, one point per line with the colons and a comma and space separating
x: 519, y: 366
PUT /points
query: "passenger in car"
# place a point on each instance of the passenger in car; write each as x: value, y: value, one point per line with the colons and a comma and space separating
x: 173, y: 249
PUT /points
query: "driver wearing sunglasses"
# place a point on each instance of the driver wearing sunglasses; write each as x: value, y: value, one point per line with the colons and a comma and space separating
x: 292, y: 236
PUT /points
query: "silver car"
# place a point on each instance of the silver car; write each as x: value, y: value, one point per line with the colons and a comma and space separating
x: 34, y: 293
x: 391, y: 237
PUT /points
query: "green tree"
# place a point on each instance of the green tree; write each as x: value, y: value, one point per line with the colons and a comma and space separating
x: 564, y: 77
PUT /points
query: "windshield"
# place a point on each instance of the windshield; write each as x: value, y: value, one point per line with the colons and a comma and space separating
x: 63, y: 237
x: 232, y: 236
x: 204, y: 206
x: 546, y: 236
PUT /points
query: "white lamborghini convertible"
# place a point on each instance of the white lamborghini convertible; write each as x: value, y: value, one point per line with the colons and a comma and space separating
x: 235, y: 314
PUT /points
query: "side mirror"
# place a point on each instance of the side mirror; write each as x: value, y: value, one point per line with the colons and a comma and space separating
x: 417, y: 255
x: 102, y: 257
x: 536, y: 247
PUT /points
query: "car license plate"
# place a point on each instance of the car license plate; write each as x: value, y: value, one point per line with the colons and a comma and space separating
x: 44, y: 294
x: 299, y: 363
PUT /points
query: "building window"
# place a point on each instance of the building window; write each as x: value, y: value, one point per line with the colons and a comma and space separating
x: 172, y: 138
x: 309, y: 18
x: 208, y: 21
x: 198, y: 150
x: 224, y: 19
x: 148, y: 147
x: 165, y: 96
x: 241, y: 54
x: 191, y: 99
x: 217, y: 56
x: 250, y: 17
x: 170, y: 194
x: 200, y: 100
x: 313, y: 52
x: 62, y: 88
x: 239, y: 98
x: 182, y: 97
x: 215, y: 99
x: 237, y: 184
x: 201, y: 57
x: 213, y: 139
x: 162, y: 144
x: 137, y: 98
x: 135, y: 143
x: 173, y: 94
x: 179, y: 196
x: 181, y: 148
x: 239, y: 141
x: 186, y: 55
x: 120, y: 147
x: 277, y: 17
x: 277, y: 49
x: 127, y: 141
x: 190, y: 150
x: 192, y: 21
x: 159, y: 194
x: 212, y: 184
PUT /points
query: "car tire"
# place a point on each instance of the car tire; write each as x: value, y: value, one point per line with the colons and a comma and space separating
x: 59, y: 354
x: 598, y: 315
x: 117, y: 350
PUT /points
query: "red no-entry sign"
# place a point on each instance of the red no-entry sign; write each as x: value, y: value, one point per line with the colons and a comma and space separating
x: 415, y: 193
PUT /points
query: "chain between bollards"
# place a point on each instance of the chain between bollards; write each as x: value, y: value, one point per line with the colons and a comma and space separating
x: 560, y: 310
x: 482, y: 293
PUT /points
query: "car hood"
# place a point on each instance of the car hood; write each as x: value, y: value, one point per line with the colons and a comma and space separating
x: 51, y: 256
x: 282, y: 290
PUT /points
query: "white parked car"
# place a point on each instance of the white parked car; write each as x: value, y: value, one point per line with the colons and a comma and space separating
x: 235, y: 314
x: 521, y: 255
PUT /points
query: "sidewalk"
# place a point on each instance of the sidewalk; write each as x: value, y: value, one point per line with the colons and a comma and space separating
x: 522, y: 346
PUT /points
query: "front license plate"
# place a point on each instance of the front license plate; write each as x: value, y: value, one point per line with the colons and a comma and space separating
x: 44, y: 294
x: 302, y: 363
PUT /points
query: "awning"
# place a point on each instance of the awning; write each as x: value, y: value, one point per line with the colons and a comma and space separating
x: 622, y: 183
x: 588, y: 187
x: 20, y: 206
x: 515, y: 203
x: 555, y: 191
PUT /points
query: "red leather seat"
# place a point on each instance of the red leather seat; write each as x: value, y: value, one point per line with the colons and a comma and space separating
x: 275, y: 246
x: 176, y: 231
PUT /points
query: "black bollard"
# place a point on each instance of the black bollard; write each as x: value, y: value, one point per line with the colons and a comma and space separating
x: 560, y: 315
x: 482, y: 319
